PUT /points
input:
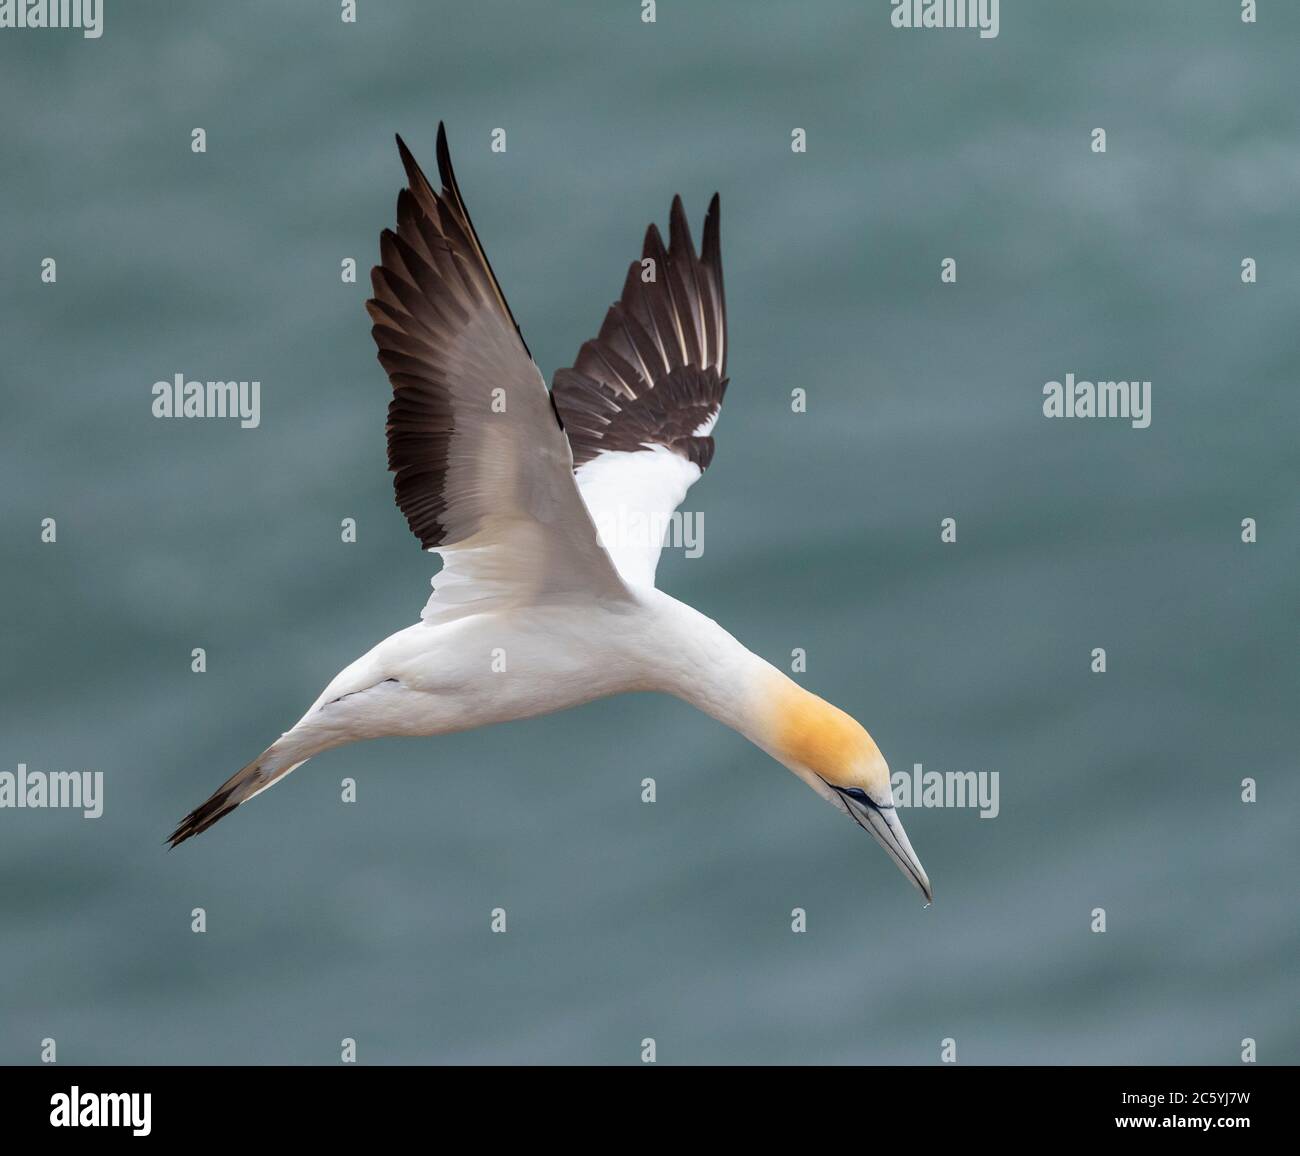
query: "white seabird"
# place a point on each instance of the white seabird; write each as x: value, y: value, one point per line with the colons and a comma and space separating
x: 508, y: 481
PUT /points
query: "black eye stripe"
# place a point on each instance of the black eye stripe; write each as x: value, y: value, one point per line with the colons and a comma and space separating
x: 862, y: 797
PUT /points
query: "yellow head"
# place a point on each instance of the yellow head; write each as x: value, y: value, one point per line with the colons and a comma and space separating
x: 833, y: 753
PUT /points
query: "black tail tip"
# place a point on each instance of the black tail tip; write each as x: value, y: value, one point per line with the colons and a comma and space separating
x: 201, y: 818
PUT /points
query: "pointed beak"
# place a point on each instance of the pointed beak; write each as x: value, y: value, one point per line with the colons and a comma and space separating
x: 887, y: 829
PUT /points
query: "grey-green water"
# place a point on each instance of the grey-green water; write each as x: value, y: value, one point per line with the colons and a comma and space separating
x: 371, y: 921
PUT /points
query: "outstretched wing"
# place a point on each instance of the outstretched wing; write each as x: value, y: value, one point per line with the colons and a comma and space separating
x: 640, y: 403
x: 482, y: 469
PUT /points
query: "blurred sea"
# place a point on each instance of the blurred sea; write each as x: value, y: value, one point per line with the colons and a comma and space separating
x: 371, y: 921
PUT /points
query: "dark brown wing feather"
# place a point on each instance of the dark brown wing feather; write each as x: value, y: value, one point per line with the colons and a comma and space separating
x: 474, y: 441
x: 656, y: 372
x: 433, y: 287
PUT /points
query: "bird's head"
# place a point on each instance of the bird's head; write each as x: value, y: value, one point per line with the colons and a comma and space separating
x: 833, y: 753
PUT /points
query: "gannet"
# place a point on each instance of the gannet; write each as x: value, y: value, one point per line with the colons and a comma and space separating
x: 532, y: 612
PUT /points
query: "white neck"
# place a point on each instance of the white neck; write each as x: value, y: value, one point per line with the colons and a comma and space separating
x: 696, y: 660
x: 687, y: 654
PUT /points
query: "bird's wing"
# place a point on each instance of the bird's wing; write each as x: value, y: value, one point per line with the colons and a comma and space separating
x: 481, y: 466
x: 641, y: 401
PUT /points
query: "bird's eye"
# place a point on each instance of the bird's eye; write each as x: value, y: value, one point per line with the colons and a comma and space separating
x: 856, y: 792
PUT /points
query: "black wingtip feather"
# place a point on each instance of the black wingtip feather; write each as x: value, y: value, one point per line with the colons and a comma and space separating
x: 653, y: 246
x: 679, y: 232
x: 408, y: 161
x: 445, y: 172
x: 711, y: 246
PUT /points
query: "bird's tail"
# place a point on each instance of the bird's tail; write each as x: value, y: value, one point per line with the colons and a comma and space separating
x: 264, y: 771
